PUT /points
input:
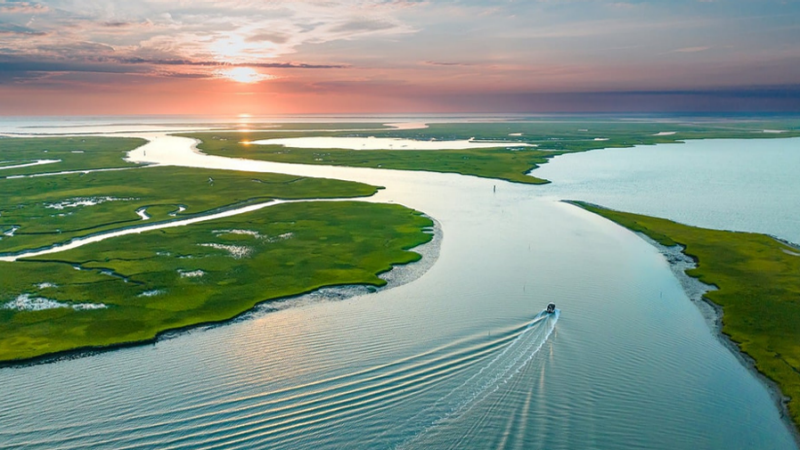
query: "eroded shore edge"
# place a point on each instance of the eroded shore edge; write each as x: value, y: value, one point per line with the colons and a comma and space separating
x: 679, y: 262
x: 397, y: 276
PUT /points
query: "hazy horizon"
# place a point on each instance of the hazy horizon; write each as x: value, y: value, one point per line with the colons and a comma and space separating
x: 404, y: 117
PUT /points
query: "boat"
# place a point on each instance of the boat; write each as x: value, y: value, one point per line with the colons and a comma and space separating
x: 551, y: 308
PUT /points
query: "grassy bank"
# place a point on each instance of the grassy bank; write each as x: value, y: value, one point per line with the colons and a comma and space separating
x: 54, y: 209
x: 759, y: 290
x: 74, y: 153
x: 505, y: 162
x: 501, y: 163
x: 129, y: 289
x: 208, y: 272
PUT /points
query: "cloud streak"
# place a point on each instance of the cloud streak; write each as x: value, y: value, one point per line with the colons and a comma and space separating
x: 194, y: 34
x: 207, y: 63
x: 23, y: 8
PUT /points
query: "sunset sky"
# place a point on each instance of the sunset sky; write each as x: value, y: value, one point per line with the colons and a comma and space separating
x: 384, y: 56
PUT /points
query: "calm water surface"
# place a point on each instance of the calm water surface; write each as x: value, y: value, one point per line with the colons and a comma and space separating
x: 460, y: 358
x: 742, y: 185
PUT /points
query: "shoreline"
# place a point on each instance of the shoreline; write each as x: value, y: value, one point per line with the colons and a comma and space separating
x: 679, y: 262
x: 713, y: 313
x: 397, y: 276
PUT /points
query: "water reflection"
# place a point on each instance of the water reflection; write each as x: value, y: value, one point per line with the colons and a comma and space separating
x: 743, y: 185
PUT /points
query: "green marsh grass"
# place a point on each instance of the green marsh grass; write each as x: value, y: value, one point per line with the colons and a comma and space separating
x: 75, y: 153
x: 505, y: 162
x: 33, y: 203
x: 204, y: 273
x: 759, y: 290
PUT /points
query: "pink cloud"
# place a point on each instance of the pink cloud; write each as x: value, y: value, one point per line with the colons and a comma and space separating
x: 23, y: 8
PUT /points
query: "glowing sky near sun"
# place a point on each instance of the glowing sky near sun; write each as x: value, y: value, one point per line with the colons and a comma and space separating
x: 158, y: 56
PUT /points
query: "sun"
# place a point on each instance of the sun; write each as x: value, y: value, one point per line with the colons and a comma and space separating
x: 243, y: 75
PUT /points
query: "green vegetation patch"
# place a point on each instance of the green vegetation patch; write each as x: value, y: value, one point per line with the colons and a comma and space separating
x: 131, y: 288
x: 72, y: 153
x: 759, y: 290
x: 317, y: 126
x: 580, y: 134
x: 507, y: 161
x: 42, y: 211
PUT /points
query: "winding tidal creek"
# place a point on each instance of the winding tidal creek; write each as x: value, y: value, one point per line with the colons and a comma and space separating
x: 461, y: 357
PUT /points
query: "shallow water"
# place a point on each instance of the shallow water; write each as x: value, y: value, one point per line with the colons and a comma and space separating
x: 374, y: 143
x: 459, y: 358
x: 37, y: 163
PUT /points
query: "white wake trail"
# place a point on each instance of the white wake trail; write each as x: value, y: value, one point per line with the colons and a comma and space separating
x: 497, y: 372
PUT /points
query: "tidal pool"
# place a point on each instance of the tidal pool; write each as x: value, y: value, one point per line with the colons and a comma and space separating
x: 459, y: 358
x: 37, y: 163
